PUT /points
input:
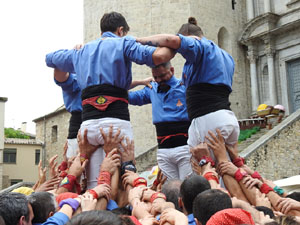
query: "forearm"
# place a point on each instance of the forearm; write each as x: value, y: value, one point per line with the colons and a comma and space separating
x: 101, y: 204
x: 234, y: 188
x: 162, y: 55
x: 135, y: 83
x: 249, y: 192
x: 161, y: 40
x: 60, y: 76
x: 115, y: 184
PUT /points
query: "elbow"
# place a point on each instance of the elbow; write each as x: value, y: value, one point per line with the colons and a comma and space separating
x: 173, y: 42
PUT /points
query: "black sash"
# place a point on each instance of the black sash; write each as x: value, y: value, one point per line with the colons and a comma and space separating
x: 74, y: 124
x: 204, y: 98
x: 117, y: 109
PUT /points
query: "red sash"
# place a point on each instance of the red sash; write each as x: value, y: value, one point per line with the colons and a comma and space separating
x: 163, y: 138
x: 102, y: 102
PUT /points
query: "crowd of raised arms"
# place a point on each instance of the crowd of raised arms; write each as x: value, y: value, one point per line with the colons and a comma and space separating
x: 201, y: 177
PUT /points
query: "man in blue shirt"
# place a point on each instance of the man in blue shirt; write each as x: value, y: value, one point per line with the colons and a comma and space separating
x: 170, y: 118
x: 207, y: 75
x: 72, y: 101
x: 103, y: 69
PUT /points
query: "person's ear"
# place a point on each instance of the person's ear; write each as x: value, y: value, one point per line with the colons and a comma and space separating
x: 120, y: 31
x: 197, y: 222
x: 50, y: 214
x: 21, y: 220
x: 180, y: 203
x: 172, y: 69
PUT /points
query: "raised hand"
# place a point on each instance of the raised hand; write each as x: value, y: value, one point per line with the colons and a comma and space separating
x: 87, y: 202
x: 111, y: 141
x: 199, y: 151
x: 111, y: 162
x: 217, y: 144
x: 128, y: 151
x: 77, y: 168
x: 52, y: 165
x: 85, y: 148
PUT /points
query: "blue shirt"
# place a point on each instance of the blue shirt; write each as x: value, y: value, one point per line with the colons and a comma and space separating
x: 106, y: 60
x: 58, y: 218
x: 166, y: 107
x: 71, y: 93
x: 205, y: 62
x: 191, y: 219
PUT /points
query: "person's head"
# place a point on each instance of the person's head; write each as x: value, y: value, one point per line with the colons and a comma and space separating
x: 191, y: 28
x: 234, y: 216
x: 208, y: 202
x: 115, y: 23
x: 171, y: 189
x: 163, y: 72
x: 43, y: 205
x: 99, y: 217
x: 15, y: 209
x: 286, y: 220
x: 295, y: 195
x: 266, y: 211
x: 189, y: 189
x: 122, y: 211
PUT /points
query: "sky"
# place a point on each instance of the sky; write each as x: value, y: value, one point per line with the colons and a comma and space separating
x: 29, y: 30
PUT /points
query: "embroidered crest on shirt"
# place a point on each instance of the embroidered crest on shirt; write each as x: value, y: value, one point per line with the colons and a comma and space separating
x: 179, y: 103
x: 101, y: 100
x: 64, y: 181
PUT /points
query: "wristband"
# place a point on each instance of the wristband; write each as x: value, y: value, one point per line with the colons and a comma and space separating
x: 63, y: 174
x: 278, y: 190
x: 68, y: 182
x: 265, y: 188
x: 206, y: 159
x: 63, y: 166
x: 94, y: 193
x: 157, y: 195
x: 256, y: 175
x: 71, y: 202
x: 104, y: 177
x: 211, y: 176
x: 129, y: 165
x: 155, y: 183
x: 239, y: 175
x: 139, y: 182
x: 239, y: 162
x: 135, y: 220
x: 83, y: 157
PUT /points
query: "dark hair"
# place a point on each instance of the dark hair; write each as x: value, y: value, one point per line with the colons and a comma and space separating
x: 165, y: 65
x: 191, y: 28
x: 208, y: 203
x: 265, y: 210
x: 286, y: 220
x: 295, y: 195
x: 190, y: 188
x: 42, y: 204
x: 13, y: 206
x: 99, y: 217
x: 113, y: 20
x: 171, y: 189
x: 122, y: 211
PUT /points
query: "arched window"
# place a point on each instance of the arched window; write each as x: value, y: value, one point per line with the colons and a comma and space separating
x: 224, y: 40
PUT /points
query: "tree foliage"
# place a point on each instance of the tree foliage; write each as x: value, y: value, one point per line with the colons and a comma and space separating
x: 12, y: 133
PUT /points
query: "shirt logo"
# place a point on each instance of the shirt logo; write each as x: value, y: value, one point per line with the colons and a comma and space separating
x: 179, y: 103
x: 64, y: 181
x: 101, y: 100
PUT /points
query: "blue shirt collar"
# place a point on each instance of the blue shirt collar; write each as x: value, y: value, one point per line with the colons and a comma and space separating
x: 191, y: 219
x: 172, y: 81
x: 109, y: 34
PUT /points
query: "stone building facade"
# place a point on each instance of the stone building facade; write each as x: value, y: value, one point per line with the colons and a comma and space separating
x: 272, y: 37
x: 52, y: 130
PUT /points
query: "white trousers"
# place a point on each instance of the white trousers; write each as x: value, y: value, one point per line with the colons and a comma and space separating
x: 72, y: 148
x: 95, y: 138
x: 175, y: 162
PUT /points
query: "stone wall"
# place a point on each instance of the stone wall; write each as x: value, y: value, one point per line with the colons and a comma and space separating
x: 276, y: 155
x: 51, y: 148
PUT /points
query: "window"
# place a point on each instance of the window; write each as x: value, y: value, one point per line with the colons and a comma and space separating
x: 15, y: 181
x: 54, y: 134
x: 10, y: 155
x: 37, y: 156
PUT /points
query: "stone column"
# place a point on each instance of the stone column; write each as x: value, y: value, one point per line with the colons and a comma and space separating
x: 269, y: 50
x: 267, y: 6
x: 253, y: 75
x: 250, y: 9
x: 2, y: 111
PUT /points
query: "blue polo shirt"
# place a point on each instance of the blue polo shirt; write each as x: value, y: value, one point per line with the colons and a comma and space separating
x: 71, y: 93
x: 191, y: 219
x: 166, y: 107
x: 106, y: 60
x: 205, y: 62
x: 58, y: 218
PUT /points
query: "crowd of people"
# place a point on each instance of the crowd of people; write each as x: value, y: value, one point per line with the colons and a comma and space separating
x: 201, y: 179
